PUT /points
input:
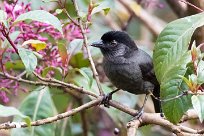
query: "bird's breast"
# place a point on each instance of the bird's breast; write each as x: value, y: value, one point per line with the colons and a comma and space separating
x: 126, y: 76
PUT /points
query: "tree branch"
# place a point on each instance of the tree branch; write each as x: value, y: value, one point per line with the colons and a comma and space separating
x: 189, y: 115
x: 50, y: 82
x: 93, y: 68
x: 156, y: 119
x: 51, y: 119
x: 177, y: 7
x: 132, y: 127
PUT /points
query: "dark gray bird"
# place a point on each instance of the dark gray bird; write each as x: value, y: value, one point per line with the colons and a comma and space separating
x: 127, y: 67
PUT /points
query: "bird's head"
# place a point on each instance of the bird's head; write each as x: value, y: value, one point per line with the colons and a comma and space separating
x: 115, y: 43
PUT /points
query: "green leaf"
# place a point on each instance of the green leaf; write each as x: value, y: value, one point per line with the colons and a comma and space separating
x: 16, y: 65
x: 200, y: 72
x: 65, y: 123
x: 63, y: 52
x: 198, y: 105
x: 60, y: 98
x: 101, y: 7
x: 59, y: 11
x: 82, y: 81
x: 75, y: 46
x: 28, y: 58
x: 78, y: 61
x: 87, y: 73
x: 3, y: 18
x: 37, y: 44
x: 11, y: 111
x: 41, y: 16
x: 57, y: 72
x: 170, y: 58
x: 37, y: 105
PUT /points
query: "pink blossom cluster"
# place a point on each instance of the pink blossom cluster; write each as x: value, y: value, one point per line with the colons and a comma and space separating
x: 37, y: 31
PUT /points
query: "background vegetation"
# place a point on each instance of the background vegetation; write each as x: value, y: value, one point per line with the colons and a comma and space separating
x: 47, y: 70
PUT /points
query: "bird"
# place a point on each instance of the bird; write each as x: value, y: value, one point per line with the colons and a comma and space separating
x: 128, y: 67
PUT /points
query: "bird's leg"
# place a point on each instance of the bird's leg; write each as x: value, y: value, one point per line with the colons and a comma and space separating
x: 141, y: 110
x: 107, y: 98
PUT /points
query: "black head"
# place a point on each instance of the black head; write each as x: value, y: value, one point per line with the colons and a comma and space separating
x: 120, y: 37
x: 115, y: 43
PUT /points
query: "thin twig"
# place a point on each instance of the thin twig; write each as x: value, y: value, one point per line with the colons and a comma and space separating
x: 93, y: 68
x: 190, y: 4
x: 189, y: 115
x: 51, y: 119
x: 184, y: 93
x: 48, y: 82
x: 63, y: 6
x: 6, y: 35
x: 73, y: 21
x: 177, y: 7
x: 169, y: 99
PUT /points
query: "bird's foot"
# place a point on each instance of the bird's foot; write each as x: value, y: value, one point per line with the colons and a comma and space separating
x: 161, y: 114
x: 107, y: 98
x: 138, y: 114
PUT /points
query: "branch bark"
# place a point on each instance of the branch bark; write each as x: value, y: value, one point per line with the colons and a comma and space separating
x: 83, y: 32
x: 51, y: 119
x: 156, y: 119
x: 177, y: 7
x: 49, y: 82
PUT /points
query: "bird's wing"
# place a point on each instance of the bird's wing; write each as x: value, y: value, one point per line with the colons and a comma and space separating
x: 146, y: 66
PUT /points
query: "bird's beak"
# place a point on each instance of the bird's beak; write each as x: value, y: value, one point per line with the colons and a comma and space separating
x: 98, y: 44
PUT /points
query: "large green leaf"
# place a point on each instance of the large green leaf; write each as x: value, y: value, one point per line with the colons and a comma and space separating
x: 57, y: 72
x: 60, y: 98
x: 198, y: 105
x: 103, y: 6
x: 11, y: 111
x: 170, y: 58
x: 78, y: 61
x: 37, y: 44
x: 75, y: 46
x: 41, y: 16
x: 63, y: 52
x: 201, y: 72
x: 3, y: 18
x: 28, y: 58
x: 87, y: 73
x: 37, y: 105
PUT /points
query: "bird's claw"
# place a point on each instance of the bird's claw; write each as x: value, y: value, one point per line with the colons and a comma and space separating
x: 138, y: 114
x: 161, y: 114
x: 106, y: 99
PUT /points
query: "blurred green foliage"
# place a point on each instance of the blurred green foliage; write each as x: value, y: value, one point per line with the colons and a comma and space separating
x: 101, y: 121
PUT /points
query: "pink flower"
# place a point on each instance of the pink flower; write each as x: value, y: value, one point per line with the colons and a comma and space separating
x: 4, y: 97
x: 37, y: 31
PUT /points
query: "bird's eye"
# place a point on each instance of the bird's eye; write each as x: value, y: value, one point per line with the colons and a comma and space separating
x: 113, y: 43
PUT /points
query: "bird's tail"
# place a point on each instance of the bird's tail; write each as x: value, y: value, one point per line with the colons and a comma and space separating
x: 157, y: 103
